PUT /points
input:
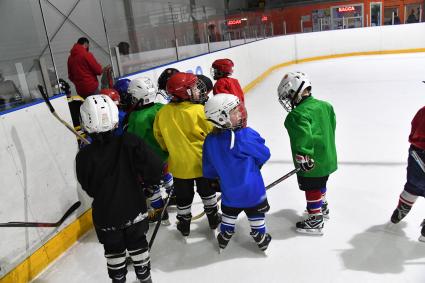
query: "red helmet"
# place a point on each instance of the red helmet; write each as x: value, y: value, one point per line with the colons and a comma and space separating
x: 112, y: 93
x: 222, y: 67
x: 179, y: 84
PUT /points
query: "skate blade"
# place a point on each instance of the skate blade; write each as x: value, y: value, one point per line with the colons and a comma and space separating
x: 185, y: 239
x: 166, y: 222
x: 315, y: 232
x: 422, y: 239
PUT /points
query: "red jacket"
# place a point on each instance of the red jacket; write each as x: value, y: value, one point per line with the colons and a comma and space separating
x: 229, y: 85
x: 83, y: 70
x: 417, y: 135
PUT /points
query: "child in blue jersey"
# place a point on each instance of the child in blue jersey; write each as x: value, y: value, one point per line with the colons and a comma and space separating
x: 234, y: 154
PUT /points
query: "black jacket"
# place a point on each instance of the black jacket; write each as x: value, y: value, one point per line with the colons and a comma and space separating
x: 109, y: 170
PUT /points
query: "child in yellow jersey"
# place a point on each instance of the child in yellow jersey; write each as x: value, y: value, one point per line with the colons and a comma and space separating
x: 180, y: 128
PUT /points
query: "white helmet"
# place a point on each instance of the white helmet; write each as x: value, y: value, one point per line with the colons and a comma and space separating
x: 143, y: 90
x: 217, y: 110
x: 291, y: 88
x: 98, y: 114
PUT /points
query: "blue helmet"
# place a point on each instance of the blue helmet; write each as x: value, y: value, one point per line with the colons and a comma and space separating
x: 122, y: 85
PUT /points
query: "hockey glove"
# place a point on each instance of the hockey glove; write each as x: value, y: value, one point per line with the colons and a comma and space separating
x: 305, y: 162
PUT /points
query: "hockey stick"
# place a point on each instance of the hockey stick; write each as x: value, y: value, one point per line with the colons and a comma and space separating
x: 284, y: 177
x: 418, y: 160
x: 158, y: 223
x: 52, y: 110
x: 43, y: 224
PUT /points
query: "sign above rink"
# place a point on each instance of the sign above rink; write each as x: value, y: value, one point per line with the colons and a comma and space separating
x: 346, y: 9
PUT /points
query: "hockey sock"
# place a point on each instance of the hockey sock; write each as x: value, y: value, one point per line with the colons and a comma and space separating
x: 184, y: 210
x: 210, y: 204
x: 167, y: 182
x: 156, y: 198
x: 407, y: 198
x: 141, y: 259
x: 314, y: 201
x: 116, y: 263
x: 228, y: 223
x: 257, y: 223
x: 323, y: 192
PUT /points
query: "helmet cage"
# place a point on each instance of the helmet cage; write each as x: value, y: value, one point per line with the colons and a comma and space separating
x: 289, y: 95
x: 240, y: 114
x: 198, y: 92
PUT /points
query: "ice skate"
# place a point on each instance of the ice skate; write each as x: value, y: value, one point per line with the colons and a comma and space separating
x: 183, y: 225
x: 400, y: 212
x: 262, y: 240
x: 214, y: 219
x: 325, y: 211
x: 313, y: 225
x: 122, y: 280
x: 155, y: 214
x: 223, y: 239
x: 422, y: 237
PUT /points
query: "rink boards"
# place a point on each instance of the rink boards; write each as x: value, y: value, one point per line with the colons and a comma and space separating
x: 37, y: 152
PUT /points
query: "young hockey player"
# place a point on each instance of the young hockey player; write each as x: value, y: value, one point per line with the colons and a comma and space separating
x: 180, y: 128
x: 121, y: 86
x: 108, y: 170
x: 162, y: 96
x: 234, y: 154
x: 140, y: 122
x: 221, y: 70
x: 415, y: 184
x: 311, y: 127
x: 116, y: 98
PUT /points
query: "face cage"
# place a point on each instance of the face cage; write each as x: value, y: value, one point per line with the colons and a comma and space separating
x: 201, y: 89
x: 286, y: 103
x: 216, y: 73
x: 242, y: 122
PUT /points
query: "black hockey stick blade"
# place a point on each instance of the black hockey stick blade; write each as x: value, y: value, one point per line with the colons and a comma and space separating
x: 44, y: 224
x: 155, y: 231
x: 46, y: 98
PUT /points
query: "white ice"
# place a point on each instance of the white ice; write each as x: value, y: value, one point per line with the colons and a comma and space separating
x: 375, y: 99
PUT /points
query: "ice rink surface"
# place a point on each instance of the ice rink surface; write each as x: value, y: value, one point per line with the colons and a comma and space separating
x: 375, y: 99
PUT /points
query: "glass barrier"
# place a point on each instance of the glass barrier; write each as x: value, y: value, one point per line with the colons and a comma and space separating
x: 21, y: 54
x: 66, y: 24
x: 128, y: 36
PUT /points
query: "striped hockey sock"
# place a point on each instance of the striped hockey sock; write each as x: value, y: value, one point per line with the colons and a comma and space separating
x: 257, y: 223
x: 314, y: 201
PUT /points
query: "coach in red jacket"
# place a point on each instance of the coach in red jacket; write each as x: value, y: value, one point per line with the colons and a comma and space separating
x: 83, y: 68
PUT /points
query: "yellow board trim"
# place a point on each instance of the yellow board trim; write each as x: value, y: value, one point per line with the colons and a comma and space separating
x: 252, y: 84
x: 41, y: 258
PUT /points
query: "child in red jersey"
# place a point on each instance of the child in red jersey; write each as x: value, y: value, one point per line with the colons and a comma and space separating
x: 415, y: 184
x: 221, y: 70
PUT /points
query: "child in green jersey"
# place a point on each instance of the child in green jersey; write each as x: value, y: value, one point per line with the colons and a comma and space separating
x: 311, y: 128
x: 140, y: 123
